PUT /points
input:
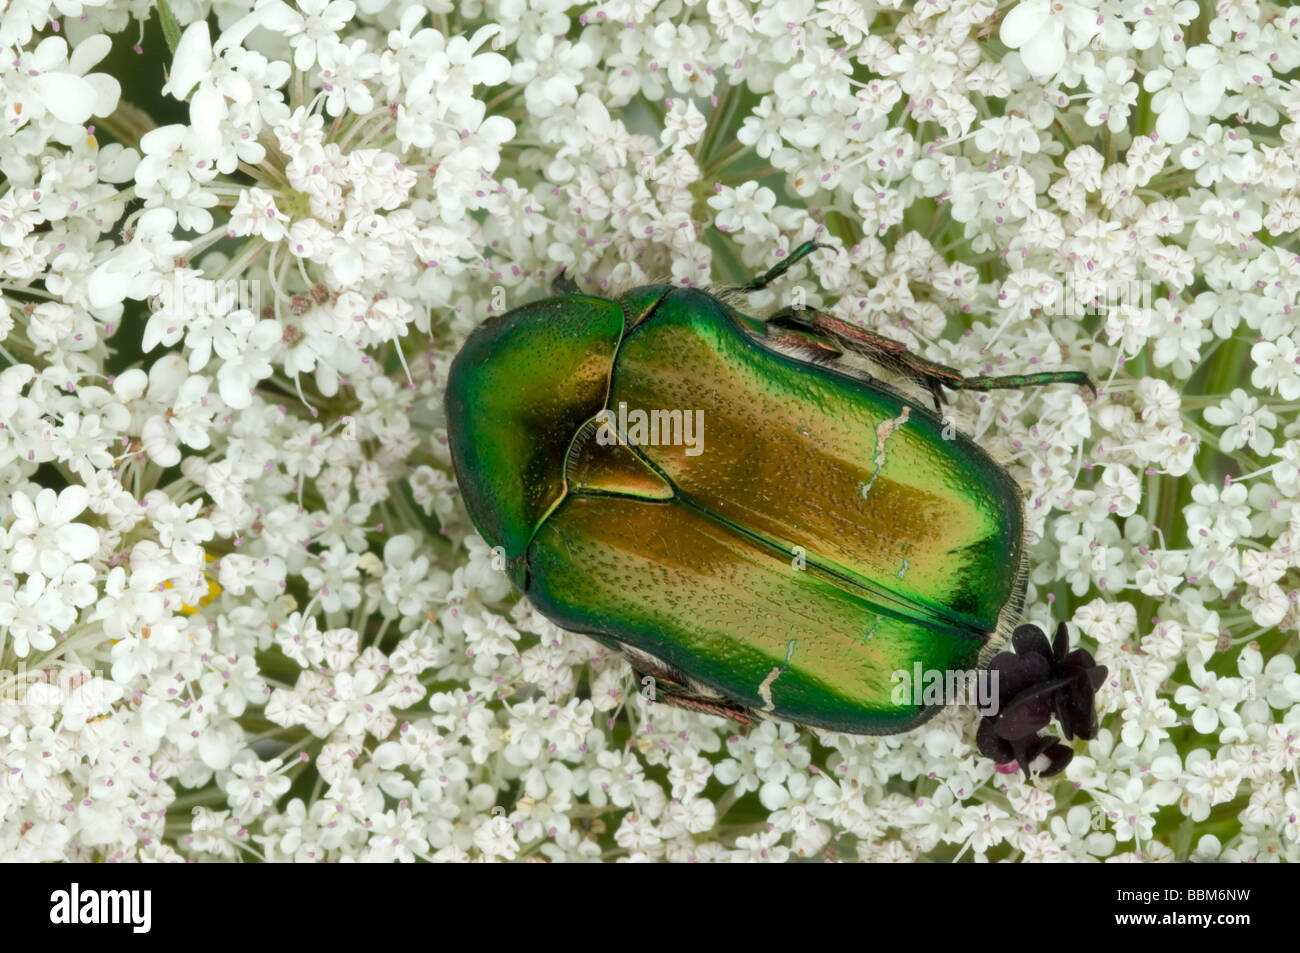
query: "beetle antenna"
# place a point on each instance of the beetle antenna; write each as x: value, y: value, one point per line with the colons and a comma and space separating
x: 785, y: 264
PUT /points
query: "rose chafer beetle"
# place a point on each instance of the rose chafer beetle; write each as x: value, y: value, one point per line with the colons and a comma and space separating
x: 819, y: 532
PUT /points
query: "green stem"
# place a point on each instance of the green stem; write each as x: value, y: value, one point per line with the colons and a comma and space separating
x: 720, y: 119
x: 127, y: 124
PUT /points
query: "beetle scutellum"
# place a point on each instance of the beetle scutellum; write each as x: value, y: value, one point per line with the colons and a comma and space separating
x: 826, y: 534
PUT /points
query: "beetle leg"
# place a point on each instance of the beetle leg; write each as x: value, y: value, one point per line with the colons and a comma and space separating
x: 711, y: 706
x: 562, y: 284
x: 897, y: 358
x: 782, y: 266
x: 820, y: 338
x: 936, y: 394
x: 673, y: 688
x: 1029, y: 380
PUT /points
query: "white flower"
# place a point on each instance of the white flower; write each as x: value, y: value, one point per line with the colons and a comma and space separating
x: 49, y: 80
x: 1185, y: 87
x: 256, y: 787
x: 315, y: 26
x: 1277, y: 367
x: 745, y: 209
x: 1216, y: 154
x: 1244, y: 422
x: 684, y: 125
x: 30, y: 615
x: 351, y: 187
x: 1039, y: 29
x: 255, y: 214
x: 1163, y: 21
x: 1007, y: 135
x: 335, y: 581
x: 44, y: 537
x: 763, y: 128
x: 1221, y: 513
x: 551, y: 71
x: 1212, y: 701
x: 1134, y: 806
x: 177, y: 162
x: 1114, y: 93
x: 246, y: 362
x: 345, y: 70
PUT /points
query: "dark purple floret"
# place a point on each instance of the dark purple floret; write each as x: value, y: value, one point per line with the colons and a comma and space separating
x: 1036, y: 681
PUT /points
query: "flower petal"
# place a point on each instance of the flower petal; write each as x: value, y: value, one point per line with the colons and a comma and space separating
x: 78, y: 541
x: 68, y: 98
x: 1024, y: 23
x: 193, y: 60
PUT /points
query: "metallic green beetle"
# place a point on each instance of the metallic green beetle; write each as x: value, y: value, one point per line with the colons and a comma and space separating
x: 776, y: 533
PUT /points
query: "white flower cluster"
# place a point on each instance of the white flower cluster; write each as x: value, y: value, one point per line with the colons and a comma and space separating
x: 242, y: 611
